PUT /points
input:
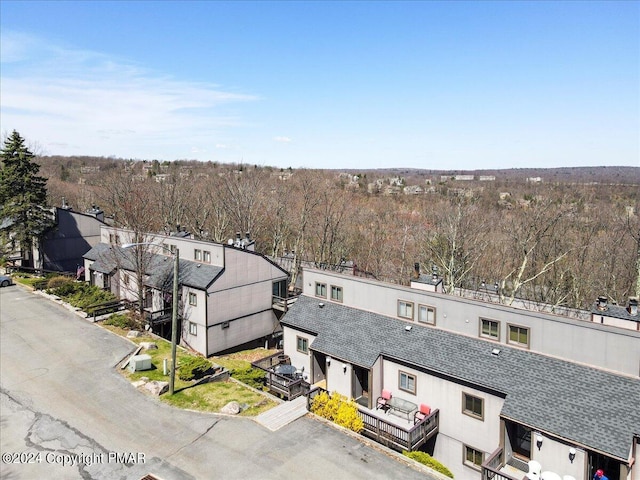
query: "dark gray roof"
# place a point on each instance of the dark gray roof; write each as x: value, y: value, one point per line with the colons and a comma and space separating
x: 428, y: 279
x: 98, y: 251
x: 108, y: 258
x: 585, y: 405
x: 615, y: 311
x: 191, y: 274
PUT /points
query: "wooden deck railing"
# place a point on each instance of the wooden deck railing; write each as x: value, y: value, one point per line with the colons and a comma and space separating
x: 278, y: 358
x: 285, y: 386
x: 114, y: 306
x: 288, y: 387
x: 283, y: 304
x: 492, y: 465
x: 389, y: 434
x: 396, y: 437
x: 158, y: 317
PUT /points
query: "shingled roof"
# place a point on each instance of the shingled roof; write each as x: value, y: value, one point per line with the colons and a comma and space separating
x: 159, y: 267
x: 591, y: 407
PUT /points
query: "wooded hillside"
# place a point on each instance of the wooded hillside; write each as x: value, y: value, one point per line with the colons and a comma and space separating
x: 562, y: 236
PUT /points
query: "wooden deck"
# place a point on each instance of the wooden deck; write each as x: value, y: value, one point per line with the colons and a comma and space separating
x: 285, y: 386
x: 390, y: 430
x: 396, y: 432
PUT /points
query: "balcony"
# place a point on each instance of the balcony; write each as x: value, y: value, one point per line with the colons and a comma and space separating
x: 289, y: 385
x: 282, y: 304
x: 394, y: 432
x: 494, y: 468
x: 397, y: 433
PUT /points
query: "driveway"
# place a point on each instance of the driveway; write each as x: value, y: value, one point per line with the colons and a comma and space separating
x: 69, y: 413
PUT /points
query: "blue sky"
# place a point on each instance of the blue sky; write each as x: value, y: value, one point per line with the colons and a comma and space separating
x: 438, y: 85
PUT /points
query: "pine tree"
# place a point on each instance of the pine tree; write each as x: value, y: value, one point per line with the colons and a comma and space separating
x: 23, y: 194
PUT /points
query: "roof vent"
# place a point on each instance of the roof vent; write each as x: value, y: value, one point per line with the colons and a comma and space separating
x: 495, y: 352
x: 602, y: 303
x: 198, y: 265
x: 408, y: 328
x: 321, y: 305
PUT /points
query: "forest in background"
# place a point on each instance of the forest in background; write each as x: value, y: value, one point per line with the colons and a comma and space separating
x: 558, y: 236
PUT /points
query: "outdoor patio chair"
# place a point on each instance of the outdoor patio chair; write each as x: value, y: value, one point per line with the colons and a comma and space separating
x: 383, y: 400
x: 422, y: 413
x: 534, y: 470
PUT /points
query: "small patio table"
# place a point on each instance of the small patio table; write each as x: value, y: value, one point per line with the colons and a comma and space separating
x: 402, y: 406
x: 286, y: 370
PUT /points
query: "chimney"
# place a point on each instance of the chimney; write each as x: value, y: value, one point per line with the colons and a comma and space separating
x: 602, y: 303
x: 248, y: 236
x: 416, y: 270
x: 633, y: 306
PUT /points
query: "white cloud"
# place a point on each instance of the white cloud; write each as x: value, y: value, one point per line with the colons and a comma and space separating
x: 282, y: 139
x: 96, y: 104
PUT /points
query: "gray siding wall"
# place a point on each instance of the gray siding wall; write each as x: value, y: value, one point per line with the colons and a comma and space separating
x: 73, y: 236
x: 571, y: 339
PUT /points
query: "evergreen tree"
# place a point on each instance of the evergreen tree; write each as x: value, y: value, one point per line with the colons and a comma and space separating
x: 23, y: 194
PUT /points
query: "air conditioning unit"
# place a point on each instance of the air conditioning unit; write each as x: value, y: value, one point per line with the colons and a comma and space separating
x: 139, y: 362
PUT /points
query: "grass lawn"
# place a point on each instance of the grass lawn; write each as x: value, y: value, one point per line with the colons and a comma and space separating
x: 242, y: 360
x: 209, y: 397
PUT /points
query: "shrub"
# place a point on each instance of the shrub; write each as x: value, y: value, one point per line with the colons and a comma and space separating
x: 120, y: 320
x: 82, y: 295
x: 337, y: 408
x: 191, y: 368
x: 250, y: 376
x: 426, y: 459
x: 59, y: 282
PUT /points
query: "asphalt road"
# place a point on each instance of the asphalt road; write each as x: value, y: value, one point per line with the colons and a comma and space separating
x: 66, y: 413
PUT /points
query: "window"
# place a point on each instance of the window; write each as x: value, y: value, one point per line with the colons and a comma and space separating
x: 473, y: 458
x: 490, y: 329
x: 321, y: 290
x: 193, y: 328
x: 405, y: 309
x: 193, y: 299
x: 197, y: 255
x: 336, y: 293
x: 114, y: 239
x: 173, y: 249
x: 206, y: 257
x: 519, y: 335
x: 473, y: 406
x: 279, y: 289
x: 302, y: 344
x: 427, y: 314
x: 407, y: 382
x: 125, y: 280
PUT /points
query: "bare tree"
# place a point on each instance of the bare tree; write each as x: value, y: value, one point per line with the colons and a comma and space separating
x: 243, y: 197
x: 329, y: 246
x: 131, y: 201
x: 632, y: 231
x: 305, y: 186
x: 456, y: 242
x: 533, y: 247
